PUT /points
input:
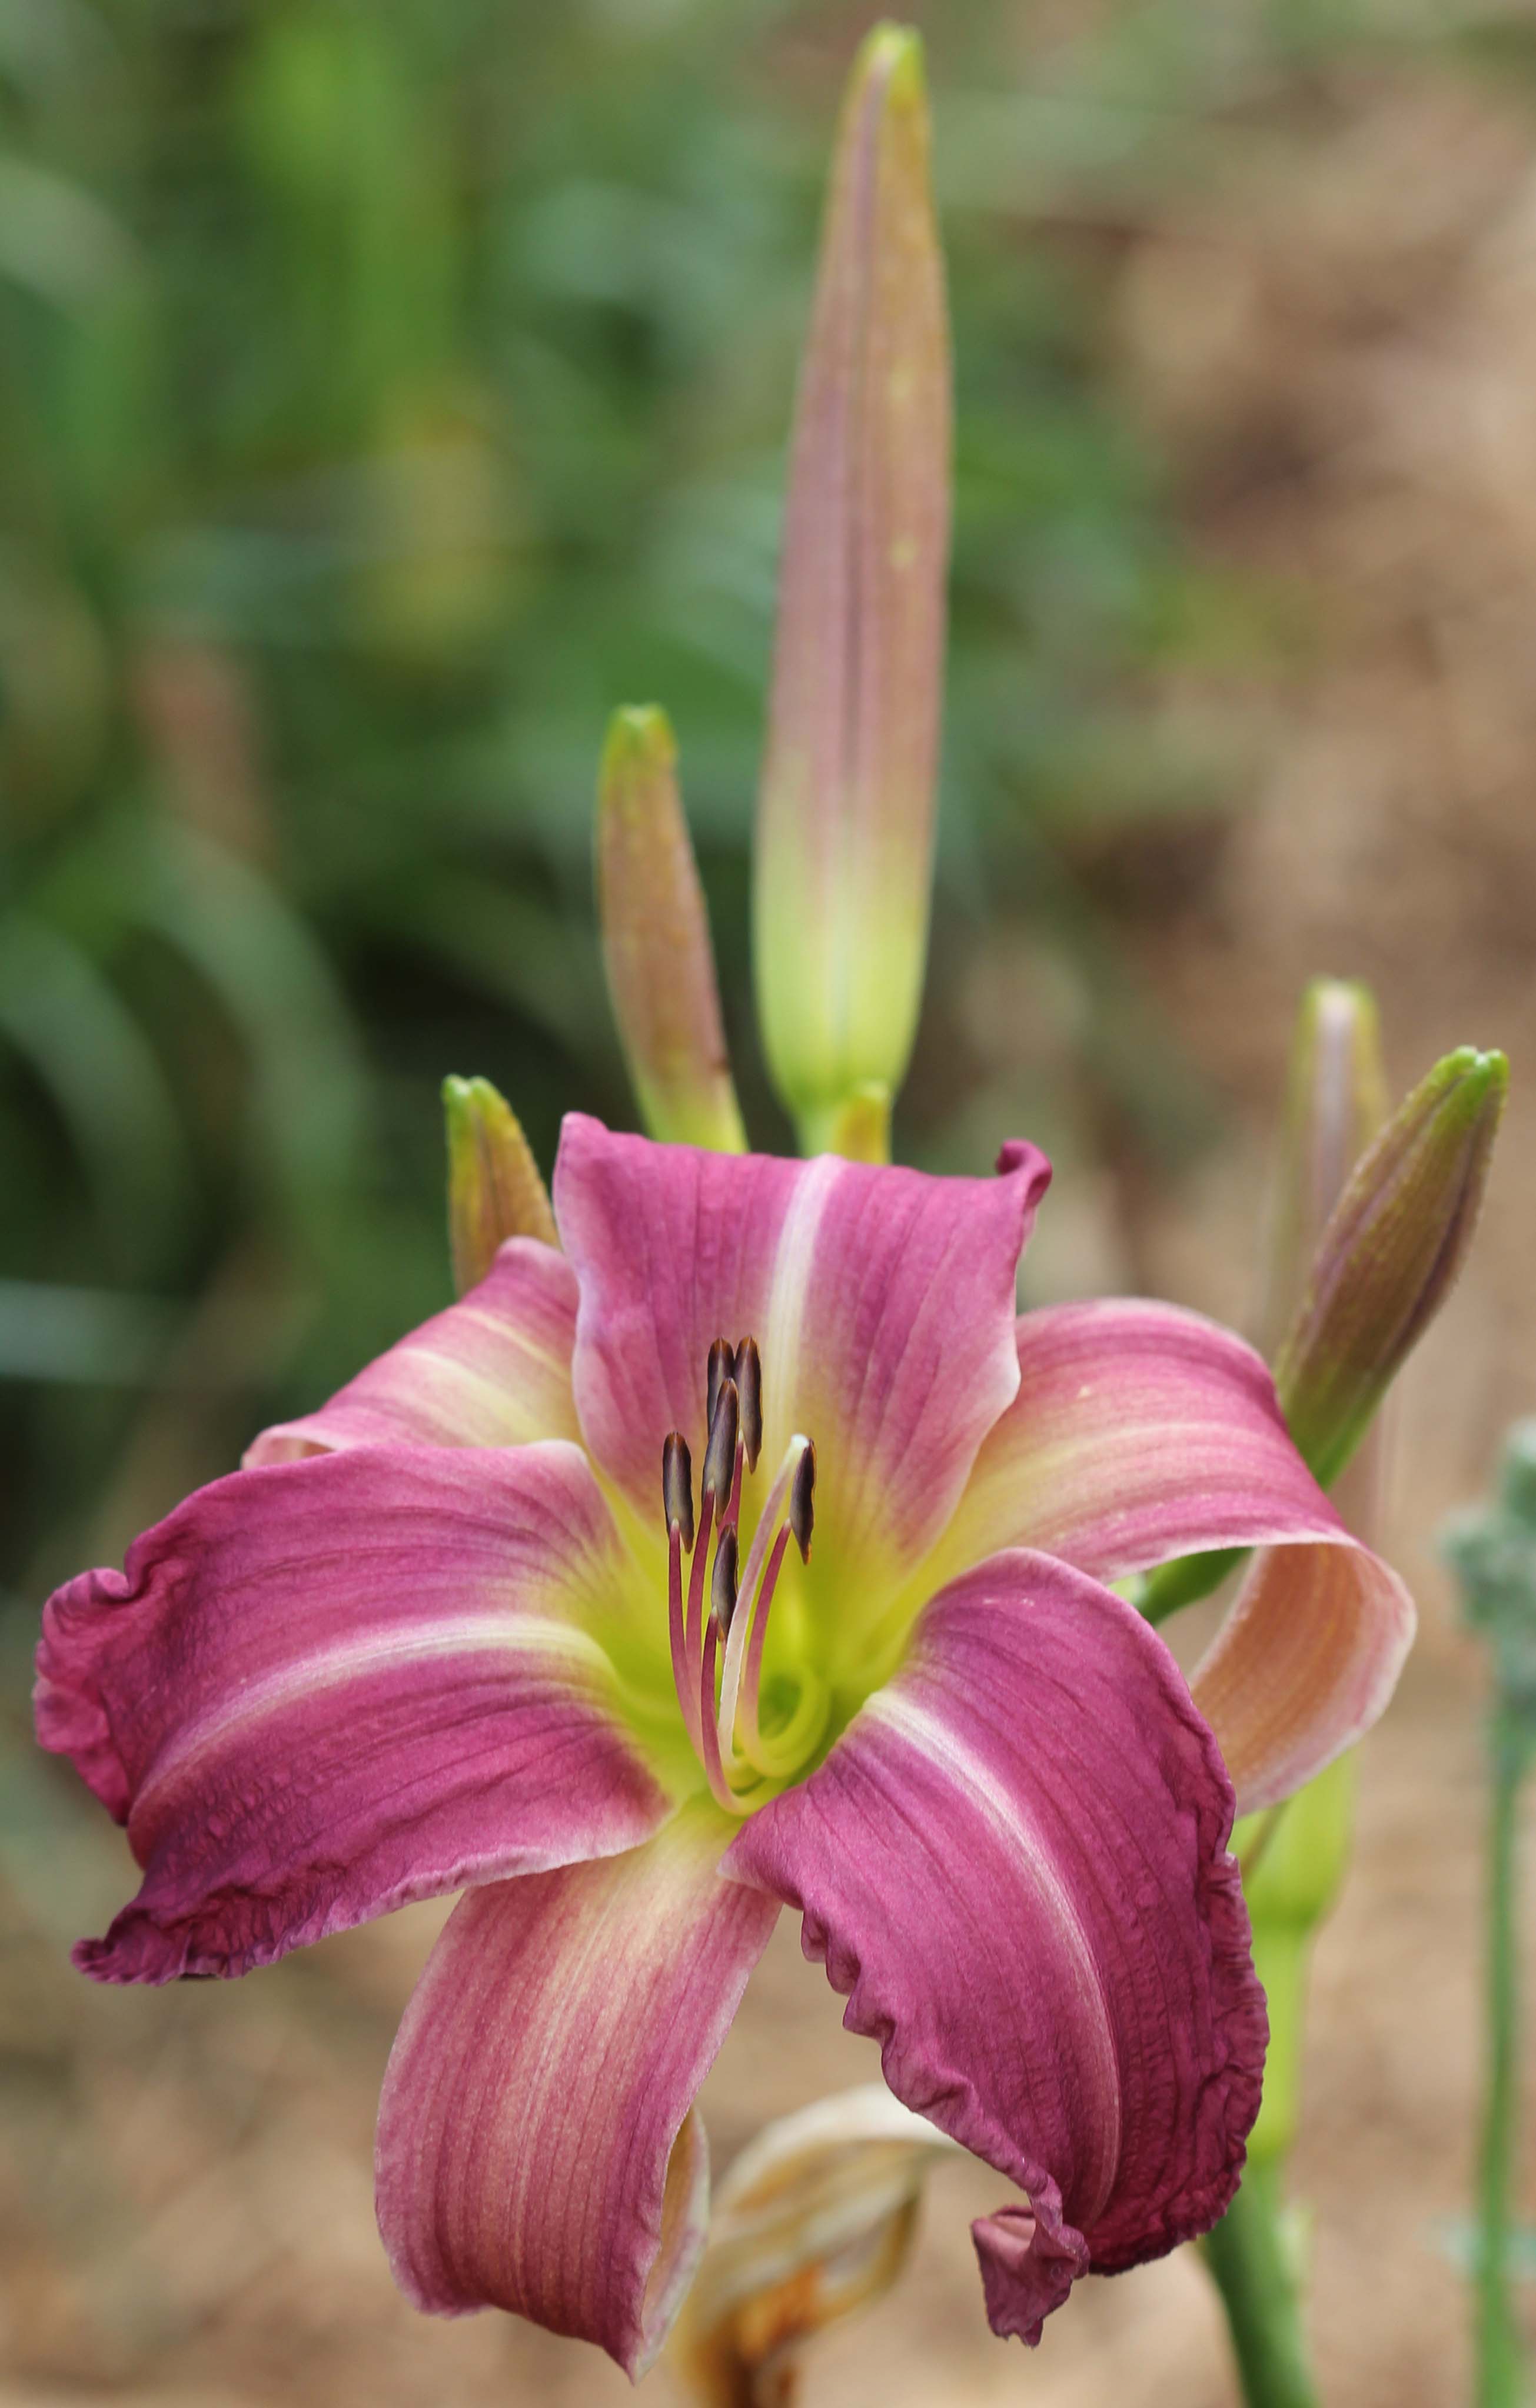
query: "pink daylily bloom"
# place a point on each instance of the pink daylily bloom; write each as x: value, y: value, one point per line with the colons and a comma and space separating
x: 459, y: 1630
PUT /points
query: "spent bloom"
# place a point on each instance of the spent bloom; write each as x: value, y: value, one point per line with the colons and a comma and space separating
x: 745, y: 1551
x: 813, y: 2221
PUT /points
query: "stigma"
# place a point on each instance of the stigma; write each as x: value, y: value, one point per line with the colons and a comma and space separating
x: 718, y: 1618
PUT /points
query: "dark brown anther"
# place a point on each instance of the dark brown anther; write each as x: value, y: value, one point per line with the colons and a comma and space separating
x: 802, y: 1491
x: 722, y: 1365
x: 749, y: 1387
x: 723, y: 1583
x: 720, y: 1455
x: 677, y: 1488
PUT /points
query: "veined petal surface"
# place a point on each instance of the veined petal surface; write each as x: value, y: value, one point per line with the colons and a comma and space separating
x: 323, y: 1688
x: 493, y: 1371
x: 538, y: 2145
x: 882, y: 1301
x: 1014, y: 1865
x: 1141, y: 1432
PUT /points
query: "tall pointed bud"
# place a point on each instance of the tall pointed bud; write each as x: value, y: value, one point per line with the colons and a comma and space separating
x: 656, y: 941
x: 844, y: 842
x: 1295, y: 1856
x: 1389, y: 1256
x: 1335, y: 1105
x: 813, y: 2220
x: 494, y: 1190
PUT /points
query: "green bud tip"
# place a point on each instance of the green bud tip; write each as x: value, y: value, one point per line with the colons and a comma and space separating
x: 657, y: 946
x: 494, y: 1189
x: 1335, y: 1104
x: 639, y: 740
x: 893, y: 54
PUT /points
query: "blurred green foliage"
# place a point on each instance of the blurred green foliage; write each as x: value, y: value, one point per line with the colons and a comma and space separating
x: 386, y: 392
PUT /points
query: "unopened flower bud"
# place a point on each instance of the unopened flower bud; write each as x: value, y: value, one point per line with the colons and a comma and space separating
x: 845, y: 840
x: 656, y: 941
x: 1335, y: 1104
x: 494, y: 1191
x: 1389, y: 1256
x: 814, y: 2219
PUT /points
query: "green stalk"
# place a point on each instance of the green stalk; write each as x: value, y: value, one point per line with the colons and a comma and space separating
x: 1501, y: 2378
x: 1253, y: 2269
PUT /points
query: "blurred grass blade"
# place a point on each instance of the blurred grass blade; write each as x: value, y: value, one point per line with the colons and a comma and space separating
x: 77, y: 1334
x: 101, y: 1074
x: 656, y: 941
x: 494, y: 1190
x: 844, y: 837
x: 260, y: 960
x: 56, y: 239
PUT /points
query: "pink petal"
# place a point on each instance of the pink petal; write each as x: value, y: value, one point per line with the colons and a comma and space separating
x: 882, y: 1301
x: 1014, y: 1864
x: 1140, y: 1433
x: 537, y: 2148
x: 324, y: 1688
x: 493, y: 1371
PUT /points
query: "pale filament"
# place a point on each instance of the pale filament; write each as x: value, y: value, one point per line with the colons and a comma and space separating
x: 749, y: 1621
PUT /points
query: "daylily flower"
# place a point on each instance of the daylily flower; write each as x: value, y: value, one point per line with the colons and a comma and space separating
x: 748, y: 1552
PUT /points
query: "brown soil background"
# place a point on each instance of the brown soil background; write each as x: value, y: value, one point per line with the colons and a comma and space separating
x: 1338, y: 351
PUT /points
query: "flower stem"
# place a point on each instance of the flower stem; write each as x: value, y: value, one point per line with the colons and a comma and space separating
x: 1500, y: 2380
x: 1251, y: 2265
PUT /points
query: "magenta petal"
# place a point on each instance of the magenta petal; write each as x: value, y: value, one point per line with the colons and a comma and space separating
x: 882, y: 1301
x: 537, y: 2145
x: 1140, y: 1433
x: 324, y: 1688
x: 1014, y: 1865
x: 493, y: 1371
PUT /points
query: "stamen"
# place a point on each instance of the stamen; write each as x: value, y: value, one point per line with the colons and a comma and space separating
x: 677, y: 1487
x: 693, y: 1635
x: 734, y: 1390
x: 751, y: 1738
x: 802, y: 1492
x: 721, y: 1365
x: 709, y: 1750
x: 674, y: 1618
x: 720, y: 1455
x: 768, y: 1524
x: 723, y: 1587
x: 748, y: 1374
